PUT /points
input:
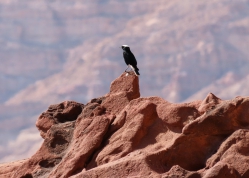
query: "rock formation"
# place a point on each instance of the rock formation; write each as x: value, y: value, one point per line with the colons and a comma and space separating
x: 124, y: 135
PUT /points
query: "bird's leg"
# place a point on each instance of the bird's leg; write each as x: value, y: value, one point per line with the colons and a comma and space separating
x: 127, y: 68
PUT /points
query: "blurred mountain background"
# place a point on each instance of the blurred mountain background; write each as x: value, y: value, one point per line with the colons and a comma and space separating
x: 52, y: 51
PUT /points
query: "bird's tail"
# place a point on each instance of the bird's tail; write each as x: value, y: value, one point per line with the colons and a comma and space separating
x: 136, y: 72
x: 135, y: 69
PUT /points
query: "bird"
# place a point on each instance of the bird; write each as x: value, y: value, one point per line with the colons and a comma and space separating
x: 130, y: 59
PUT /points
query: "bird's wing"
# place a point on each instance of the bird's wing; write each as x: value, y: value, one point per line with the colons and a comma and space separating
x: 126, y: 58
x: 133, y: 59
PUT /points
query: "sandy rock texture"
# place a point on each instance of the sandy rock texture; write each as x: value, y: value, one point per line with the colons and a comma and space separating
x: 124, y: 135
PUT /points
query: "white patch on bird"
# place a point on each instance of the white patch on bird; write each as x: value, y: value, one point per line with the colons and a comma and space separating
x: 125, y: 45
x: 133, y: 69
x: 126, y: 74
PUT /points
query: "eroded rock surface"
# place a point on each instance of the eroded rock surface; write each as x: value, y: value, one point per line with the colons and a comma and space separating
x: 124, y: 135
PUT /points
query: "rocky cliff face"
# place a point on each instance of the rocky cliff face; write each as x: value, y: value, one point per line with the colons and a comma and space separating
x: 124, y: 135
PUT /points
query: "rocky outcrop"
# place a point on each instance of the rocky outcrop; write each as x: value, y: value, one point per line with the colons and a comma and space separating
x: 124, y: 135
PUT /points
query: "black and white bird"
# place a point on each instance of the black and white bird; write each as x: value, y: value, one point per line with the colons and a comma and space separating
x: 130, y: 59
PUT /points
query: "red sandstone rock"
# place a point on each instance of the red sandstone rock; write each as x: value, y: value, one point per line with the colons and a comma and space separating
x: 59, y: 113
x: 122, y: 135
x: 7, y: 169
x: 123, y: 90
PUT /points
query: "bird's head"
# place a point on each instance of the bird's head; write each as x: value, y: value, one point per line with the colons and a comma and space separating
x: 125, y: 47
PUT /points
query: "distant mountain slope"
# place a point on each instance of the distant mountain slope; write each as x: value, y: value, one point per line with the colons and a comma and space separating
x: 35, y: 35
x: 182, y: 48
